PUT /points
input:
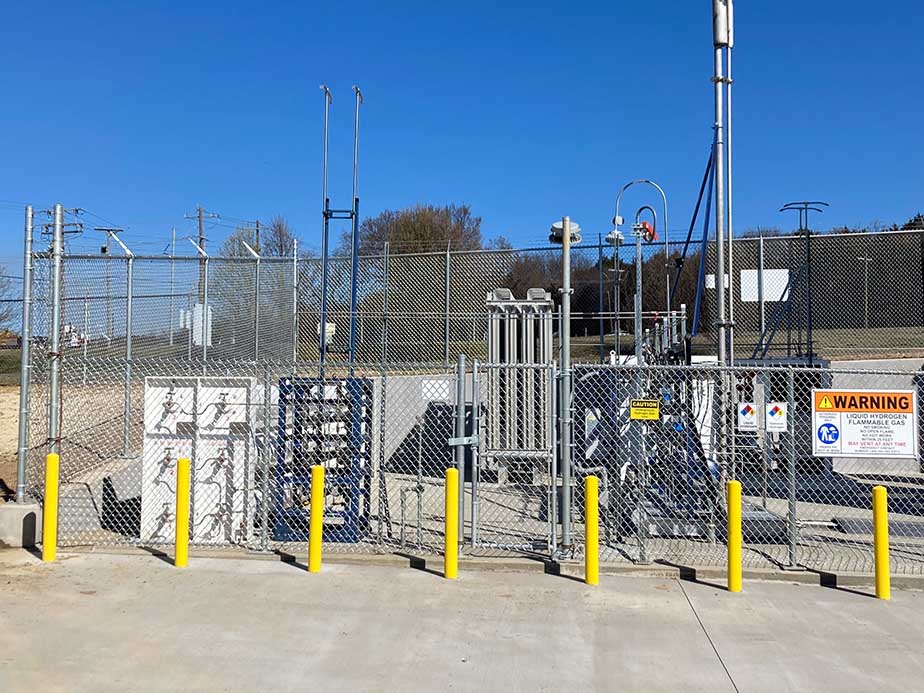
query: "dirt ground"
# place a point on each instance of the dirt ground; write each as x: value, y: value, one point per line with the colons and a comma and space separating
x: 9, y: 426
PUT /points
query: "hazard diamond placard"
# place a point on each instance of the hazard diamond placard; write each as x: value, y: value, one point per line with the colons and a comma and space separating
x: 864, y: 423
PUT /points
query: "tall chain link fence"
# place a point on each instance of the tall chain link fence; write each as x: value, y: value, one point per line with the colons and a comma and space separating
x: 861, y: 297
x: 218, y: 360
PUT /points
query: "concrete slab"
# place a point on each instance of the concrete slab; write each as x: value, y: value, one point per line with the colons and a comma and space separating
x: 777, y: 637
x: 116, y: 622
x: 20, y: 524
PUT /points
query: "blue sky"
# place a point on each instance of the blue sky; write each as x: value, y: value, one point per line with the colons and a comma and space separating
x: 139, y: 111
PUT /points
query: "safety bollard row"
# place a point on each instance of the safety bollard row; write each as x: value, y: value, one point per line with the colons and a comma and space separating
x: 451, y: 533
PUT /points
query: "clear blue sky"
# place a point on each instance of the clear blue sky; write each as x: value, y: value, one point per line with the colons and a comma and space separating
x: 139, y: 111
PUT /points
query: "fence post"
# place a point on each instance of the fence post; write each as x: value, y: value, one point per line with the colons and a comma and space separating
x: 385, y: 306
x: 791, y: 471
x: 460, y: 433
x: 591, y: 531
x: 54, y: 353
x: 446, y: 319
x: 50, y: 509
x: 881, y: 541
x: 25, y: 365
x: 733, y: 493
x: 451, y: 546
x: 85, y: 336
x: 294, y: 300
x: 600, y: 296
x: 476, y: 471
x: 268, y: 451
x: 126, y: 422
x: 256, y: 310
x: 316, y: 520
x: 181, y: 540
x: 205, y: 315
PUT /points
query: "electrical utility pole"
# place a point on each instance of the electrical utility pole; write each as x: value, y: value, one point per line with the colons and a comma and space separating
x: 200, y: 214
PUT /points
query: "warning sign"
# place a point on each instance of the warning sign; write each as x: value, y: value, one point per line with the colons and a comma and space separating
x: 747, y: 416
x: 776, y: 417
x: 644, y: 409
x: 864, y: 423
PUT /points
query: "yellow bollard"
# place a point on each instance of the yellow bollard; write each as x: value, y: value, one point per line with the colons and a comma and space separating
x: 881, y: 541
x: 181, y: 536
x: 451, y: 549
x: 591, y: 530
x: 316, y: 523
x: 50, y: 509
x: 733, y: 489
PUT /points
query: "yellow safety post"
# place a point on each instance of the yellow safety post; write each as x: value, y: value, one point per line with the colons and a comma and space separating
x: 451, y: 549
x: 181, y: 538
x: 591, y: 530
x: 733, y: 489
x: 881, y: 541
x: 50, y: 509
x: 316, y: 523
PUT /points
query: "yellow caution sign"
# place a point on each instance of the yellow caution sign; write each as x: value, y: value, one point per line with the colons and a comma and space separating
x: 644, y: 409
x: 825, y: 403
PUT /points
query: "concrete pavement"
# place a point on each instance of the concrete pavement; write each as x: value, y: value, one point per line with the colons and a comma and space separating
x: 120, y: 622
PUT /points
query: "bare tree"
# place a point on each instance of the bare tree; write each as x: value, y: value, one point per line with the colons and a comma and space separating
x: 276, y: 240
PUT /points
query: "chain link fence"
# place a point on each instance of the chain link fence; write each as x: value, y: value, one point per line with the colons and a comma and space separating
x: 861, y: 297
x: 386, y: 435
x: 218, y: 360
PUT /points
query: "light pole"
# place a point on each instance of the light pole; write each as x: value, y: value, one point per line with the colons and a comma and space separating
x: 618, y: 220
x: 566, y: 233
x: 804, y: 207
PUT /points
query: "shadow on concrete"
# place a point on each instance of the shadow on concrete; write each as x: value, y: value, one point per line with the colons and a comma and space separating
x: 688, y: 574
x: 829, y: 580
x: 291, y: 559
x: 158, y: 553
x: 418, y: 563
x: 554, y: 568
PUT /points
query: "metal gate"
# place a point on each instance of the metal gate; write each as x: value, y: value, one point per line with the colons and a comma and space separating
x: 514, y: 466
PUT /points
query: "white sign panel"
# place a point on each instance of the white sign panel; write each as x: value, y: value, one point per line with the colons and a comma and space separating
x: 747, y: 416
x: 864, y: 423
x: 776, y: 418
x: 775, y: 282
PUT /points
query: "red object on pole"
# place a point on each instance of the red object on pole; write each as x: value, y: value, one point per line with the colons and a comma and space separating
x: 649, y: 234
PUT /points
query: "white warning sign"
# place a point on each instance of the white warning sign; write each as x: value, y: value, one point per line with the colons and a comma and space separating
x: 747, y: 416
x: 776, y: 417
x: 864, y: 423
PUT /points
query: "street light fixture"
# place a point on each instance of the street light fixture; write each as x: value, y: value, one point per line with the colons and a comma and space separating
x: 804, y: 207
